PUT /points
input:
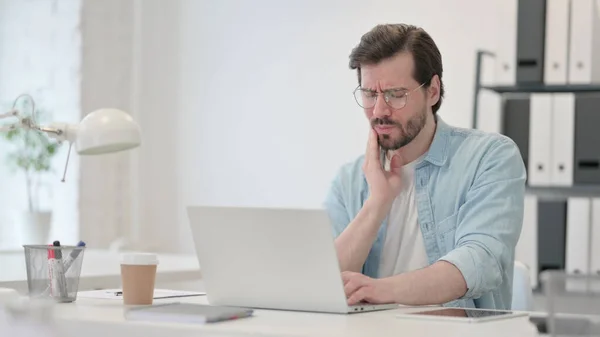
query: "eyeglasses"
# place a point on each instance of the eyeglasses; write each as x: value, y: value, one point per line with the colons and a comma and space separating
x: 394, y: 98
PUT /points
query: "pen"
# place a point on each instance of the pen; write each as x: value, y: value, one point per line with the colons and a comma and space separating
x: 74, y: 254
x: 51, y: 263
x: 59, y: 270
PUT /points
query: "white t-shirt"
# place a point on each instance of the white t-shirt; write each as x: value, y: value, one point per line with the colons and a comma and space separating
x: 403, y: 249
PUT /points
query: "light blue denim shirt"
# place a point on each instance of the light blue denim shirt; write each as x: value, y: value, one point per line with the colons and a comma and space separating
x: 470, y: 190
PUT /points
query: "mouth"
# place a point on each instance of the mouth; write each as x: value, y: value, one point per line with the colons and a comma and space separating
x: 384, y: 129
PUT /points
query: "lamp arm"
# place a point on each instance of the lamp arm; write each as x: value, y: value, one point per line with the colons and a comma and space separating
x: 10, y: 113
x: 7, y: 128
x: 60, y: 131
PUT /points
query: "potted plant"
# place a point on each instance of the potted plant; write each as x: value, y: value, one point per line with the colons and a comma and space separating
x: 31, y: 154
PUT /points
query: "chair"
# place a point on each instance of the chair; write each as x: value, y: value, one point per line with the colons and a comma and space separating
x: 522, y: 298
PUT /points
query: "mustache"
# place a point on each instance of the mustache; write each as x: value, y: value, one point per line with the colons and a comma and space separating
x: 384, y: 121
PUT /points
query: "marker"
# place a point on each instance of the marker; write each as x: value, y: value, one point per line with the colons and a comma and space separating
x: 59, y: 272
x: 73, y: 256
x: 51, y: 263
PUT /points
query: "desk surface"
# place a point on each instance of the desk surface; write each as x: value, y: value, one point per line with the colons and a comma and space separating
x: 105, y: 317
x: 101, y: 269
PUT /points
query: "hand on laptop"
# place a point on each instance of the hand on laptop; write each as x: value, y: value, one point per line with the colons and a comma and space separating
x: 360, y: 288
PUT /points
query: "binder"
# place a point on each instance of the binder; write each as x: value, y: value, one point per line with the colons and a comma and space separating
x: 489, y: 112
x: 563, y: 139
x: 506, y: 53
x: 587, y: 137
x: 540, y: 136
x: 552, y: 221
x: 527, y: 247
x: 595, y: 243
x: 584, y: 50
x: 531, y: 28
x: 515, y: 124
x: 577, y: 258
x: 556, y: 42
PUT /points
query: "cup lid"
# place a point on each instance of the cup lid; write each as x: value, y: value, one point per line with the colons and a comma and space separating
x: 139, y: 258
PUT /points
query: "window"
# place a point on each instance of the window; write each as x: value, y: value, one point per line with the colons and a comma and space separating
x: 40, y: 51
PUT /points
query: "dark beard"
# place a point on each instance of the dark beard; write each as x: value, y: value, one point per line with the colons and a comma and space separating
x: 407, y: 134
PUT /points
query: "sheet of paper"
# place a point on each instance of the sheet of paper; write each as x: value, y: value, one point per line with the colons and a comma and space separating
x: 117, y: 294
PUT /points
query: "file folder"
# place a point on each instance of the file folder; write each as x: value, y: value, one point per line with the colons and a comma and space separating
x: 556, y: 41
x: 584, y: 50
x: 552, y: 220
x: 595, y: 243
x: 531, y: 28
x: 506, y: 53
x: 587, y: 138
x: 577, y: 256
x: 527, y: 247
x: 563, y: 139
x: 489, y: 112
x: 540, y: 138
x: 515, y: 124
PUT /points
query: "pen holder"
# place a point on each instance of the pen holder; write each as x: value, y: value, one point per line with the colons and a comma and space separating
x: 53, y: 272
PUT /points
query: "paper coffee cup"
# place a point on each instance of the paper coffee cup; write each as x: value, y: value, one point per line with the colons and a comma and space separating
x: 138, y: 276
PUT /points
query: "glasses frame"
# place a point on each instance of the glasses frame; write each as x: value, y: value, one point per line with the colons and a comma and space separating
x: 386, y: 96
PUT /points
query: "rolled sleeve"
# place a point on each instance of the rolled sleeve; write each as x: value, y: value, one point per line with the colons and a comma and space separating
x: 490, y: 220
x: 478, y: 264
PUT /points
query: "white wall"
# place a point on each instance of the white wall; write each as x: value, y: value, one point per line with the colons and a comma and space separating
x: 155, y: 181
x: 105, y: 203
x: 250, y: 103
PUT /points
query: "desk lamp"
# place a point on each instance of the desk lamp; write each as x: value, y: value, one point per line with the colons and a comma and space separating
x: 99, y: 132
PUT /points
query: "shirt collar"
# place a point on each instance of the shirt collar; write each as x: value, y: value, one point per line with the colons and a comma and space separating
x: 437, y: 153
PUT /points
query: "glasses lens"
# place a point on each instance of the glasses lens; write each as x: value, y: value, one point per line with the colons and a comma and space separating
x: 365, y: 98
x: 397, y: 100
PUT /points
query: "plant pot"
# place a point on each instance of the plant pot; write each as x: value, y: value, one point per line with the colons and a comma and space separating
x: 35, y: 227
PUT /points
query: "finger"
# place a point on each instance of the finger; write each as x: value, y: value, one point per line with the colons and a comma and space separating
x: 347, y: 276
x: 351, y: 275
x: 351, y: 287
x: 373, y: 152
x: 359, y: 296
x: 396, y: 163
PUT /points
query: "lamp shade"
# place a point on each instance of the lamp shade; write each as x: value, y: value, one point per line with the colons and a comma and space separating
x: 106, y: 131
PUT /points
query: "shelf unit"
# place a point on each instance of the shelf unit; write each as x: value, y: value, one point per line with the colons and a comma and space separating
x: 550, y: 192
x: 562, y: 193
x: 537, y: 88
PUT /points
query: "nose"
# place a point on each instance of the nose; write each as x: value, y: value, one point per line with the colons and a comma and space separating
x: 381, y: 109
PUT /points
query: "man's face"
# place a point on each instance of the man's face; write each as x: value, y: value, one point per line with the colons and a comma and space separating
x: 395, y: 127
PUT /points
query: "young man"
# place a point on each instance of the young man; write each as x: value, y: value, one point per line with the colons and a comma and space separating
x: 431, y: 214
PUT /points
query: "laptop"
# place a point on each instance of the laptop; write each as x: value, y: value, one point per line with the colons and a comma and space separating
x: 270, y: 259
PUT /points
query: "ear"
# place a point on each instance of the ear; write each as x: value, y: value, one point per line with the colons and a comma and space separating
x: 433, y: 92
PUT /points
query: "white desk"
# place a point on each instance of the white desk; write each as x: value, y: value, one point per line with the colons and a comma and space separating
x: 100, y: 269
x: 103, y: 318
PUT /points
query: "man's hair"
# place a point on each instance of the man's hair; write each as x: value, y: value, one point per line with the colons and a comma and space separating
x: 385, y: 41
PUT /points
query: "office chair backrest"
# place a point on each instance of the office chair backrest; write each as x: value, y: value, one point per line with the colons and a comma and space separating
x: 522, y: 299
